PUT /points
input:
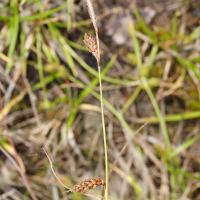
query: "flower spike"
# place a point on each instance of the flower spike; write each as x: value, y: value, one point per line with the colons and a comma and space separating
x: 90, y: 44
x: 89, y: 185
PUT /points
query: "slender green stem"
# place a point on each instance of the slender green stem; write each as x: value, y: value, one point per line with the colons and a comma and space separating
x: 104, y: 135
x: 131, y: 99
x: 158, y: 113
x: 40, y: 66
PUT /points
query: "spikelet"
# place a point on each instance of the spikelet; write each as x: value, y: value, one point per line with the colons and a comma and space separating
x: 90, y: 44
x: 92, y: 14
x: 88, y: 185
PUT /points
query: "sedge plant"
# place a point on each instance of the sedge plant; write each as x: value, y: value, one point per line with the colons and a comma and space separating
x: 94, y: 48
x: 87, y: 185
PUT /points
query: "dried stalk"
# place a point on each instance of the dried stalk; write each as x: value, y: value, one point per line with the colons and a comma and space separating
x: 54, y: 172
x: 79, y: 188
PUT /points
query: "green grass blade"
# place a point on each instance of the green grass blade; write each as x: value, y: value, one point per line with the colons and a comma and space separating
x: 158, y: 113
x: 64, y: 46
x: 69, y: 18
x: 44, y: 14
x: 153, y: 54
x: 194, y: 35
x: 13, y: 30
x: 144, y: 26
x: 173, y: 118
x: 131, y: 99
x: 47, y: 80
x: 174, y: 24
x: 75, y: 45
x: 184, y: 146
x: 136, y: 45
x: 189, y: 65
x: 40, y: 66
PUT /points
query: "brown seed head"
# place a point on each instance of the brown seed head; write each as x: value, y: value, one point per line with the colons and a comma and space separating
x: 90, y: 44
x: 88, y: 185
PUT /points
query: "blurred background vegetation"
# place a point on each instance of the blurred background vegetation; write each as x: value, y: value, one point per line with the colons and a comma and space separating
x: 49, y: 97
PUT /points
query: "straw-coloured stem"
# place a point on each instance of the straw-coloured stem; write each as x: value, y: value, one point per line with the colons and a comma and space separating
x: 54, y: 172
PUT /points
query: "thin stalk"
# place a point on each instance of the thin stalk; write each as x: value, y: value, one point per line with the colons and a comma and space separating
x: 131, y: 99
x: 98, y: 49
x: 40, y: 66
x: 158, y: 113
x: 102, y: 114
x: 104, y: 134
